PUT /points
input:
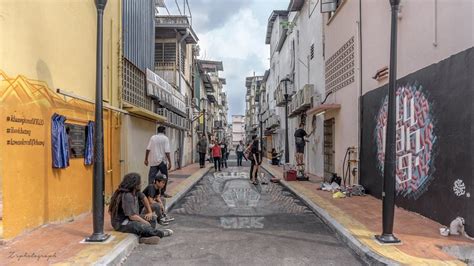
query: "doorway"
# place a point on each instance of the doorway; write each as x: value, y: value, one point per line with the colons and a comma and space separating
x: 329, y: 148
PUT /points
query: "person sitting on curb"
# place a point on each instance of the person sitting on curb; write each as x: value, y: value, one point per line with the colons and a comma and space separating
x: 124, y: 213
x: 156, y: 199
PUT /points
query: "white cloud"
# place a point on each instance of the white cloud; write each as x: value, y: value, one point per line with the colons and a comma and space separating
x: 239, y: 38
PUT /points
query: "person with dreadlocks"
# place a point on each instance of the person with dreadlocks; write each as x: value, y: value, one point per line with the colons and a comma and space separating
x: 124, y: 212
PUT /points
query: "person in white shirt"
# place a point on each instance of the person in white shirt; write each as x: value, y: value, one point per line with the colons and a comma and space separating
x: 158, y: 157
x: 240, y: 152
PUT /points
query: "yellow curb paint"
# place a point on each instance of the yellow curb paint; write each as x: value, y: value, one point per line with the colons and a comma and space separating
x: 92, y: 253
x: 360, y: 231
x: 364, y: 235
x: 188, y: 181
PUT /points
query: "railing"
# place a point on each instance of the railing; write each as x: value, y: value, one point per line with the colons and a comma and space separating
x: 163, y: 21
x: 165, y: 66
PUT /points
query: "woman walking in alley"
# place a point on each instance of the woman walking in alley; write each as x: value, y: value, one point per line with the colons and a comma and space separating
x: 216, y: 154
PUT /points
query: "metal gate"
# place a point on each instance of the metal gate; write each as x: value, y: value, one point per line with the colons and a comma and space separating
x: 329, y: 148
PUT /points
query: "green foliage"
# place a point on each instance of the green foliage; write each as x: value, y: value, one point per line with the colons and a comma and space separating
x: 287, y: 25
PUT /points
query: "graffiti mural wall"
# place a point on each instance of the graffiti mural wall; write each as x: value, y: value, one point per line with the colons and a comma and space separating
x: 414, y: 140
x: 434, y: 135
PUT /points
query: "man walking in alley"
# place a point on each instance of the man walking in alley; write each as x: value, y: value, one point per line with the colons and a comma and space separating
x: 224, y: 153
x: 158, y: 157
x: 202, y: 150
x: 239, y: 150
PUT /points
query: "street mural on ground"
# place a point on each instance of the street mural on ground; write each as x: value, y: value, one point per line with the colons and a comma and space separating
x: 414, y: 140
x: 236, y: 203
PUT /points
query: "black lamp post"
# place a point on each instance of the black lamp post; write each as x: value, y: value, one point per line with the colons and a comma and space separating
x: 98, y: 183
x: 261, y: 129
x: 388, y: 194
x: 287, y: 144
x: 203, y: 108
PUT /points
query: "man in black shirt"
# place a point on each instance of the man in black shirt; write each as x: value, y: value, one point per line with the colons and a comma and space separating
x: 124, y: 211
x: 300, y: 142
x: 154, y: 195
x: 224, y: 152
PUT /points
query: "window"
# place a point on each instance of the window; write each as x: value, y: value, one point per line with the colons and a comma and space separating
x: 331, y: 7
x: 165, y: 52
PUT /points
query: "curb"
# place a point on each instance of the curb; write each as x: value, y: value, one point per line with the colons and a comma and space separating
x: 120, y: 252
x: 363, y: 251
x: 178, y: 196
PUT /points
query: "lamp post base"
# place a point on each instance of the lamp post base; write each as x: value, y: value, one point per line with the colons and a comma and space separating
x: 96, y: 237
x: 386, y: 239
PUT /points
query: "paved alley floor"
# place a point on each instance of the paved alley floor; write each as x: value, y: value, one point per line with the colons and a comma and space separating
x: 225, y: 220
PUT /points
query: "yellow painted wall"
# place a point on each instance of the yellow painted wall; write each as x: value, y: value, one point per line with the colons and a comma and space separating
x: 53, y: 41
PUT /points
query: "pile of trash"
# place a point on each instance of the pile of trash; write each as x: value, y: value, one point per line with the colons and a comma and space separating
x: 343, y: 191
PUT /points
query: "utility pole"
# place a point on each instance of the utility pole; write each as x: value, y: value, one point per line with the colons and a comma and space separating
x: 390, y: 162
x: 98, y: 175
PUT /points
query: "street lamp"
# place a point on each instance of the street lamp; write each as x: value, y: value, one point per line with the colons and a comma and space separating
x: 388, y: 194
x: 287, y: 144
x: 98, y: 175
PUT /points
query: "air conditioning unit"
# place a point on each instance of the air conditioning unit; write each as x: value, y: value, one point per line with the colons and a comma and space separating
x: 308, y: 91
x: 162, y: 112
x: 317, y: 99
x: 280, y: 96
x: 195, y: 102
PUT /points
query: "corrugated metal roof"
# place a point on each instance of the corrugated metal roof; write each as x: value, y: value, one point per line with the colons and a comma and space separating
x: 139, y: 32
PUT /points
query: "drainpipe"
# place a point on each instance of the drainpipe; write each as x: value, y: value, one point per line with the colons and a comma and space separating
x: 360, y: 131
x: 181, y: 131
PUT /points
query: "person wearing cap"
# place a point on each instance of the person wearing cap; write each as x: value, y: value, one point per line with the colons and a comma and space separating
x: 158, y: 156
x: 153, y: 192
x: 125, y: 215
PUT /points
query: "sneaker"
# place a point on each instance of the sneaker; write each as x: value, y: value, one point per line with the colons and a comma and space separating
x: 167, y: 195
x: 167, y: 219
x: 163, y: 222
x: 167, y: 232
x: 152, y: 240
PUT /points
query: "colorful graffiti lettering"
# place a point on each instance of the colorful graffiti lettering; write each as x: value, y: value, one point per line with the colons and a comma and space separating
x: 414, y: 140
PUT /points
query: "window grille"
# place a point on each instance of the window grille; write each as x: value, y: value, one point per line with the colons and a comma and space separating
x: 134, y: 86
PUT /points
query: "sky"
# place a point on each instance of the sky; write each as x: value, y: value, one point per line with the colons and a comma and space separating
x: 232, y: 31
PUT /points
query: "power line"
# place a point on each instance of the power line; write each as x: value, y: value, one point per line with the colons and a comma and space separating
x: 177, y: 5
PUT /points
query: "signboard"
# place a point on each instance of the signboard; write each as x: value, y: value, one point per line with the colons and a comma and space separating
x: 77, y: 140
x: 159, y: 89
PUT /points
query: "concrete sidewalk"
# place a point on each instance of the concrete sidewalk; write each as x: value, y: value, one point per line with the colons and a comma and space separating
x: 357, y: 219
x: 61, y: 243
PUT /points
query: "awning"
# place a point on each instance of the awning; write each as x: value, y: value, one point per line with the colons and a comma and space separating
x: 145, y: 113
x: 323, y: 108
